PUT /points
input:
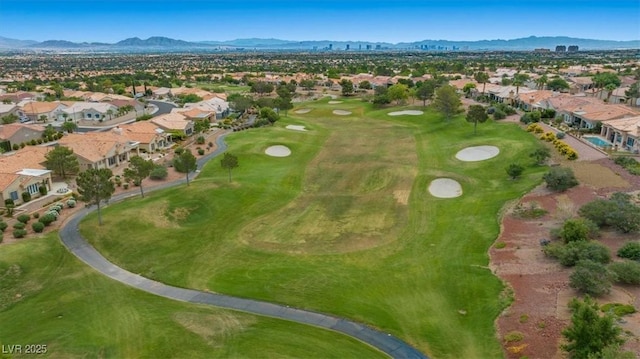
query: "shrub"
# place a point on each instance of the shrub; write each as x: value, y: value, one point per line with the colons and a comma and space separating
x: 3, y: 226
x: 560, y: 179
x: 178, y: 150
x: 55, y: 214
x: 630, y: 250
x: 533, y: 211
x: 158, y: 173
x: 200, y: 140
x: 535, y: 128
x: 548, y: 136
x: 19, y: 225
x: 36, y: 215
x: 560, y: 135
x: 627, y: 272
x: 47, y: 219
x: 200, y: 151
x: 631, y: 165
x: 71, y: 203
x: 514, y: 170
x: 540, y: 155
x: 578, y: 229
x: 56, y: 207
x: 499, y: 115
x: 573, y: 252
x: 37, y: 227
x: 1, y: 237
x: 43, y: 190
x: 19, y: 233
x: 618, y: 212
x: 24, y: 218
x: 126, y: 185
x: 618, y: 309
x: 514, y: 336
x: 591, y: 278
x: 26, y: 196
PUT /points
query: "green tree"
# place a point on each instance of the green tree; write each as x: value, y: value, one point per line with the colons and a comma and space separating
x: 307, y: 84
x: 269, y: 114
x: 62, y: 161
x: 560, y: 179
x: 240, y: 103
x: 541, y: 81
x: 49, y: 131
x: 398, y: 93
x: 468, y: 87
x: 43, y: 118
x: 514, y: 170
x: 601, y: 80
x: 95, y: 186
x: 482, y: 78
x: 557, y: 84
x: 590, y: 333
x: 10, y: 118
x: 229, y: 162
x: 425, y: 91
x: 261, y: 87
x: 186, y: 163
x: 475, y: 114
x: 138, y: 170
x: 365, y: 85
x: 347, y: 87
x: 69, y: 126
x: 519, y: 80
x: 447, y: 101
x: 618, y: 212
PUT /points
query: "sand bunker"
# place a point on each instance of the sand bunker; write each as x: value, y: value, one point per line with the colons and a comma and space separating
x: 302, y: 111
x: 406, y: 112
x: 445, y: 188
x: 477, y: 153
x: 334, y: 102
x: 341, y: 112
x: 278, y: 151
x: 296, y: 128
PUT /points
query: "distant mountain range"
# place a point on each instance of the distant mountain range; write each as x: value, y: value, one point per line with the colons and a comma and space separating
x: 162, y: 44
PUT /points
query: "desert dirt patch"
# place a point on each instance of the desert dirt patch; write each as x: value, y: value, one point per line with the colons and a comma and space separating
x: 278, y: 151
x: 540, y: 284
x: 402, y: 196
x: 477, y: 153
x: 156, y: 215
x: 341, y: 112
x: 406, y: 112
x: 597, y: 175
x: 445, y: 188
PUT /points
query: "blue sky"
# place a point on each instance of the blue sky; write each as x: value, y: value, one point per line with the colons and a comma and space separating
x: 363, y: 20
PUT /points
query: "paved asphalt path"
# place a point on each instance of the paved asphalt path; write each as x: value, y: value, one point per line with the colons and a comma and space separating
x: 163, y: 107
x: 77, y: 245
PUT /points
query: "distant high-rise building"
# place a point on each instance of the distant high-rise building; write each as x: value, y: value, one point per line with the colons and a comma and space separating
x: 378, y: 47
x: 573, y: 48
x: 330, y: 46
x: 368, y: 47
x: 347, y: 47
x: 561, y: 48
x: 541, y: 50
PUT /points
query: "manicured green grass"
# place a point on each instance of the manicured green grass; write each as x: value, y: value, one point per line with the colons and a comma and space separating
x: 344, y: 225
x: 48, y: 297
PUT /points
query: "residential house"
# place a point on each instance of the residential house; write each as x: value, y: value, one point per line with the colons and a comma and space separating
x: 579, y: 84
x: 8, y: 109
x: 624, y: 133
x: 196, y: 113
x: 91, y: 111
x: 100, y: 149
x: 17, y: 133
x: 216, y: 105
x: 174, y: 124
x: 23, y: 171
x: 150, y: 137
x: 506, y: 94
x: 16, y: 97
x: 618, y: 95
x: 530, y: 101
x: 586, y: 112
x: 35, y: 110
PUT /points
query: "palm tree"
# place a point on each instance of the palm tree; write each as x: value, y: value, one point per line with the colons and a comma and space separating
x: 519, y: 80
x: 43, y: 118
x: 482, y: 78
x: 542, y: 81
x: 110, y: 113
x: 69, y: 126
x: 610, y: 88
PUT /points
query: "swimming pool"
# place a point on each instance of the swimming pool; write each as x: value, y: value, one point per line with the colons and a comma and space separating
x: 598, y: 141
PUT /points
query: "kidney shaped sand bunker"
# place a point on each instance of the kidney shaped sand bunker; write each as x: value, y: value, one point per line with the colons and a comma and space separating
x: 477, y: 153
x: 445, y: 188
x: 278, y: 151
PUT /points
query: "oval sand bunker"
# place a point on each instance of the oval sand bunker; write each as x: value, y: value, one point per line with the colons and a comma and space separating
x: 406, y: 112
x: 296, y: 127
x: 334, y: 102
x: 278, y: 151
x: 302, y: 111
x: 445, y: 188
x: 477, y: 153
x: 341, y: 112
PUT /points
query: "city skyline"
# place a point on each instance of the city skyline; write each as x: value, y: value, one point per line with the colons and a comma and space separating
x: 373, y: 20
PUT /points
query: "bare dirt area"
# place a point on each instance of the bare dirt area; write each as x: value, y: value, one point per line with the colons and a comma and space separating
x: 540, y: 284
